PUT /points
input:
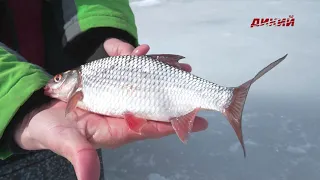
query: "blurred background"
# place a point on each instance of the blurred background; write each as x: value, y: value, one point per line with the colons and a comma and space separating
x: 281, y: 118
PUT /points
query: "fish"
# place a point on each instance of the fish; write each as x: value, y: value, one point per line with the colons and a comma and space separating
x: 150, y: 88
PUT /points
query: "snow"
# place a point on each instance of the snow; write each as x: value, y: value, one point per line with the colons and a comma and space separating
x: 218, y: 42
x: 281, y: 116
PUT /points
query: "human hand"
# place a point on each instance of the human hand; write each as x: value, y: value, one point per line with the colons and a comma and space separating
x: 116, y: 47
x: 77, y: 140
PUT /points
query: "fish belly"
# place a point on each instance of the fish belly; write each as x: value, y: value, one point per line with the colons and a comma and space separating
x: 149, y: 105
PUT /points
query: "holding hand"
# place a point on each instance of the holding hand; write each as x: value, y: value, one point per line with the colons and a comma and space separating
x: 47, y: 128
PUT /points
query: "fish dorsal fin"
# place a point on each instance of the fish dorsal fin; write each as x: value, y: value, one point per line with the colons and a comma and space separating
x: 166, y: 58
x: 170, y: 59
x: 183, y: 125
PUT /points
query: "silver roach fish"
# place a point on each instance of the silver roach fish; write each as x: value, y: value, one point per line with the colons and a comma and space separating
x: 149, y: 87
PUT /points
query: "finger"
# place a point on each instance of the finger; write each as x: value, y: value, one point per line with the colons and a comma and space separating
x: 86, y: 164
x: 84, y: 158
x: 82, y: 155
x: 141, y: 50
x: 115, y: 47
x: 110, y: 132
x: 155, y: 130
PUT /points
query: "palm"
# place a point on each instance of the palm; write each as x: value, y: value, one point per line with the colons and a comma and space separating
x: 77, y: 140
x: 98, y: 131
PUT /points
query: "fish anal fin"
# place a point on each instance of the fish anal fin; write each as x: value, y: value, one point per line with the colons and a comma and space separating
x: 73, y: 101
x: 135, y: 123
x: 183, y: 125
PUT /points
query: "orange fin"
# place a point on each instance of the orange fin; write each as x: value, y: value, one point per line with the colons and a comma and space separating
x: 183, y: 125
x: 135, y: 124
x: 234, y: 111
x: 73, y: 101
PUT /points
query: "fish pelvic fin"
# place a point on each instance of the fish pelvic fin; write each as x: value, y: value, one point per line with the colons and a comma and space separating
x: 234, y: 111
x: 135, y: 123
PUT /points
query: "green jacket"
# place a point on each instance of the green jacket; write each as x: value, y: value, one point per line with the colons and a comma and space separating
x: 20, y: 79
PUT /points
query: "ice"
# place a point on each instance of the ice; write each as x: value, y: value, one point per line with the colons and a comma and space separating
x: 281, y: 116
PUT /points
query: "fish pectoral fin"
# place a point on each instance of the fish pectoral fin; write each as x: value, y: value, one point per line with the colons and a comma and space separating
x: 135, y: 123
x: 170, y: 59
x: 183, y: 125
x: 73, y: 101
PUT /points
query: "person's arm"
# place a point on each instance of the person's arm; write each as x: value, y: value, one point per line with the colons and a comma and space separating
x: 20, y: 92
x: 88, y: 23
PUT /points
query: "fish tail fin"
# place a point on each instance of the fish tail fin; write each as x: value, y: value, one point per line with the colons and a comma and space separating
x: 234, y: 111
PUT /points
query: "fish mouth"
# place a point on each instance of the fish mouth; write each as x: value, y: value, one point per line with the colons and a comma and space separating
x: 47, y: 90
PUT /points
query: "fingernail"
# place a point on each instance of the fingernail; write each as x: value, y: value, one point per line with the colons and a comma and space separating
x: 136, y: 51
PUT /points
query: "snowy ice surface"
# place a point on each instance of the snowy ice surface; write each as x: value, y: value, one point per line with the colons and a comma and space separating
x: 282, y: 114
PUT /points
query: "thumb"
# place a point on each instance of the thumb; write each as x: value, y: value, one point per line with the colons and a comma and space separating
x: 86, y: 164
x: 82, y: 155
x: 115, y: 47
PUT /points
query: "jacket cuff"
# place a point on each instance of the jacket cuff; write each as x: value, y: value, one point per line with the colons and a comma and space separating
x: 85, y: 44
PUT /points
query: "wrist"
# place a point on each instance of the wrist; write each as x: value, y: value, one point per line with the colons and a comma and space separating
x: 17, y: 138
x: 22, y: 137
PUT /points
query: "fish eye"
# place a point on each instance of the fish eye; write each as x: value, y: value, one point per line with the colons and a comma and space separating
x: 57, y: 78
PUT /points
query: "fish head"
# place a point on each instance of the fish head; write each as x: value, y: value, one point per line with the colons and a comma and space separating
x: 62, y: 85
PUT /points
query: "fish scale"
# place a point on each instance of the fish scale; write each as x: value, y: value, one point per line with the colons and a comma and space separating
x: 150, y: 87
x: 128, y: 80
